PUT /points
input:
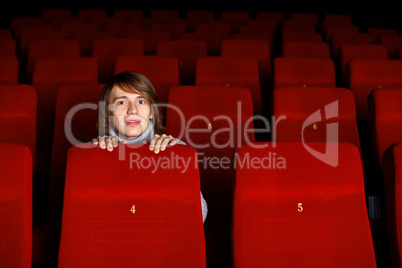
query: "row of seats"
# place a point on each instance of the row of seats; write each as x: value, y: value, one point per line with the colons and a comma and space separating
x: 75, y: 122
x: 105, y: 223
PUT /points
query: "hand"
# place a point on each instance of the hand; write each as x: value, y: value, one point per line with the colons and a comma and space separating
x: 106, y: 142
x: 159, y: 142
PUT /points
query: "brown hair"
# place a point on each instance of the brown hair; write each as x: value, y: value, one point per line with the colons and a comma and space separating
x: 130, y: 82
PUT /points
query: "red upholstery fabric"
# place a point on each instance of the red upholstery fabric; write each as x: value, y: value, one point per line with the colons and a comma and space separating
x: 347, y: 52
x: 376, y: 32
x: 258, y: 49
x: 305, y: 16
x: 9, y: 69
x: 385, y: 116
x: 85, y: 14
x: 174, y: 29
x: 306, y: 50
x: 308, y: 72
x: 299, y: 37
x: 367, y: 74
x: 392, y: 42
x: 150, y: 39
x: 230, y: 72
x: 391, y: 162
x: 297, y: 104
x: 131, y: 212
x: 18, y: 115
x: 8, y: 46
x: 214, y: 27
x: 50, y: 48
x: 212, y: 41
x: 330, y: 30
x: 49, y: 74
x: 187, y: 52
x: 163, y: 15
x: 214, y: 128
x: 339, y: 39
x: 15, y: 205
x: 86, y: 39
x: 107, y: 50
x: 162, y: 71
x: 293, y: 210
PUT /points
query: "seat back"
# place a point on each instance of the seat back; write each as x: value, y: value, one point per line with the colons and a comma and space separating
x: 9, y: 69
x: 18, y: 115
x: 293, y: 210
x: 130, y: 210
x: 231, y: 72
x: 15, y: 205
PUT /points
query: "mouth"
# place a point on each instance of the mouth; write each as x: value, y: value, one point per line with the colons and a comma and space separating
x: 132, y: 122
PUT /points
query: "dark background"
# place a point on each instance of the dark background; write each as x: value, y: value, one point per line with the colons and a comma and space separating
x: 365, y: 14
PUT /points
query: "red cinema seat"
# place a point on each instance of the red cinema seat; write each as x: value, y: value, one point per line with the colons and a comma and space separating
x: 18, y: 115
x: 200, y: 15
x: 175, y: 30
x: 150, y: 39
x: 5, y: 33
x: 292, y: 26
x: 348, y: 52
x: 253, y: 36
x: 310, y: 72
x: 9, y: 70
x: 231, y: 72
x: 259, y: 26
x: 339, y: 39
x: 50, y: 73
x: 163, y: 16
x: 257, y: 49
x: 8, y: 46
x: 385, y: 117
x: 235, y: 18
x: 212, y: 41
x: 301, y: 37
x: 17, y: 21
x: 70, y: 28
x: 330, y: 30
x: 377, y: 32
x: 392, y: 42
x: 215, y: 26
x: 311, y: 114
x: 308, y: 17
x: 50, y: 13
x: 149, y: 217
x: 292, y: 209
x: 365, y: 75
x: 75, y: 123
x: 86, y: 39
x: 391, y: 162
x: 27, y: 36
x: 213, y: 120
x: 107, y: 50
x: 122, y: 29
x: 187, y: 52
x: 271, y: 15
x: 306, y: 50
x: 163, y: 72
x: 129, y: 15
x: 86, y: 14
x: 339, y: 18
x: 50, y: 48
x: 15, y: 205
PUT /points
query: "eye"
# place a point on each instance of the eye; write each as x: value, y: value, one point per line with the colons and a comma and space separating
x: 122, y: 102
x: 141, y: 101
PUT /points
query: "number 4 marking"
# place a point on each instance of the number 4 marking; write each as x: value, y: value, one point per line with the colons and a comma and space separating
x: 133, y: 209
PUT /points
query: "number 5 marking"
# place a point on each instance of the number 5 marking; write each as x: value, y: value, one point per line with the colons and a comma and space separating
x: 300, y: 207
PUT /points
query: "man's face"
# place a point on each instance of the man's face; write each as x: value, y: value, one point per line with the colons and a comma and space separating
x: 130, y: 113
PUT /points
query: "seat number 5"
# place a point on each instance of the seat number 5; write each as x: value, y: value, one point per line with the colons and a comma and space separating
x: 300, y: 207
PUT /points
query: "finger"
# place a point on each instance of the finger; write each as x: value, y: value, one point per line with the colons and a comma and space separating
x: 94, y: 141
x: 165, y: 142
x: 101, y: 142
x: 153, y: 141
x: 115, y: 141
x: 158, y: 143
x: 109, y: 144
x: 124, y: 142
x: 144, y: 142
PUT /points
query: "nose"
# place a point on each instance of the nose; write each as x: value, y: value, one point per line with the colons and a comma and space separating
x: 132, y: 108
